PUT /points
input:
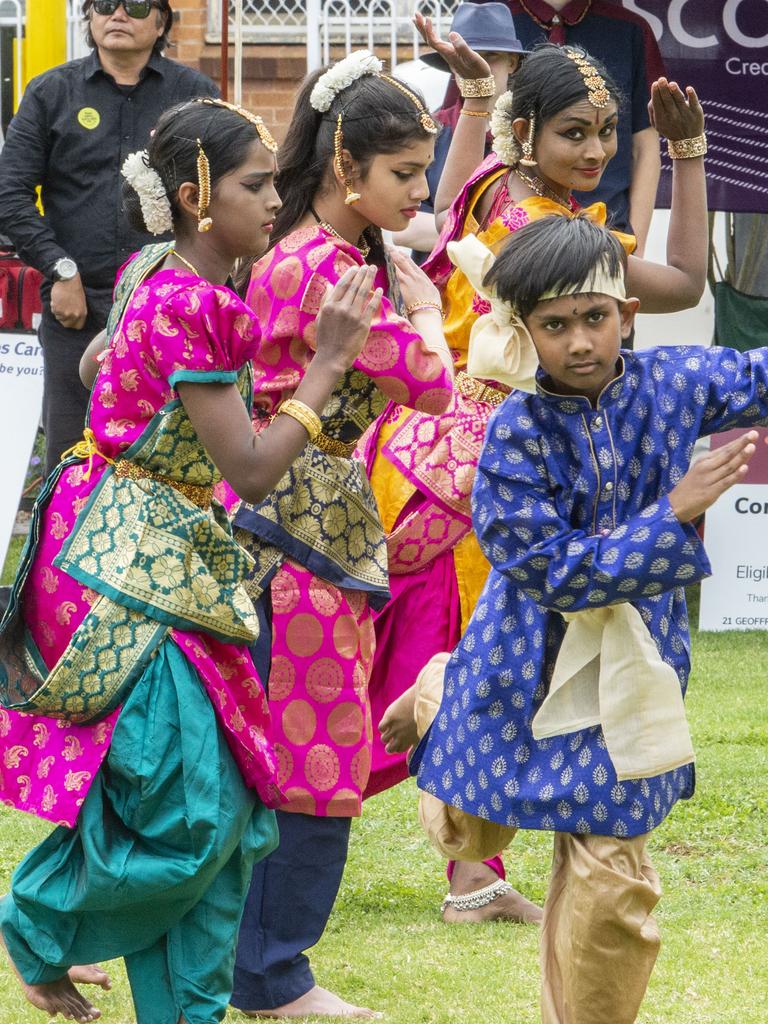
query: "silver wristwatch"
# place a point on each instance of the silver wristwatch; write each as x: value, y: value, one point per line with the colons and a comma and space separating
x: 64, y: 269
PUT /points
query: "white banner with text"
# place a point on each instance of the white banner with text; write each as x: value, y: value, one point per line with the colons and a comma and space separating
x: 736, y: 538
x: 21, y: 399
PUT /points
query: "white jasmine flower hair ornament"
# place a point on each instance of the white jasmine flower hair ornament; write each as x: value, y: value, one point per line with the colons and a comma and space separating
x: 341, y: 75
x: 505, y: 145
x: 148, y: 185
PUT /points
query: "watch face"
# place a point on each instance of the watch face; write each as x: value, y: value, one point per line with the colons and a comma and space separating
x: 65, y: 269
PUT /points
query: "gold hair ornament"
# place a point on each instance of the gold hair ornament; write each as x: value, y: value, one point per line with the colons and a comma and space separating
x: 527, y: 147
x: 425, y: 119
x: 265, y: 136
x: 597, y: 93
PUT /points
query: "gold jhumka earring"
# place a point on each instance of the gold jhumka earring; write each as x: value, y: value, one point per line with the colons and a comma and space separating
x: 204, y: 222
x: 338, y: 159
x: 527, y: 158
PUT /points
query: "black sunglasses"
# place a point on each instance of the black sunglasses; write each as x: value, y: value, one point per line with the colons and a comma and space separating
x: 133, y: 8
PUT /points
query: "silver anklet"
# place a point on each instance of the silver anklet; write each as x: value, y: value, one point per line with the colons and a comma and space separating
x: 479, y: 898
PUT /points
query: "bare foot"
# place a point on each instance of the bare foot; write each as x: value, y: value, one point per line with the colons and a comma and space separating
x: 318, y: 1001
x: 398, y: 724
x: 55, y: 997
x: 511, y: 906
x: 90, y: 974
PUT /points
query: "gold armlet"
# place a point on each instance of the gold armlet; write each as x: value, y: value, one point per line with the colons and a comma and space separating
x: 302, y: 413
x: 686, y: 149
x: 476, y: 88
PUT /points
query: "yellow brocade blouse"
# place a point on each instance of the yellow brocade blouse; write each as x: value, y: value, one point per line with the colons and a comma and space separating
x: 462, y: 304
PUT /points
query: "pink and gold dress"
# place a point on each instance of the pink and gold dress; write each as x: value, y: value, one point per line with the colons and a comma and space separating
x: 133, y: 716
x: 319, y: 542
x: 83, y: 554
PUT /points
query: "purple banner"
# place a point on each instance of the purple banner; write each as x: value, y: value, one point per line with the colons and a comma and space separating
x: 720, y: 47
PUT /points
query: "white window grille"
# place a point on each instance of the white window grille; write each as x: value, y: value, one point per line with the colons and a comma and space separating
x: 352, y: 23
x: 12, y: 17
x: 76, y: 45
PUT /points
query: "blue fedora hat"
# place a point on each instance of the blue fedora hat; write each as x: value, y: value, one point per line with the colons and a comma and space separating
x: 483, y: 27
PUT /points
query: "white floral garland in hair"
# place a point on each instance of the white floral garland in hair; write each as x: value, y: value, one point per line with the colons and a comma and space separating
x: 148, y: 185
x: 341, y: 75
x: 505, y: 145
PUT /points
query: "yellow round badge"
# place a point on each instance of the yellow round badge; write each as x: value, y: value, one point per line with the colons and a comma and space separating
x: 89, y: 118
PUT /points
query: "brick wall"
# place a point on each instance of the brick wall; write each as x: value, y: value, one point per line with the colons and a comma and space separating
x: 271, y: 73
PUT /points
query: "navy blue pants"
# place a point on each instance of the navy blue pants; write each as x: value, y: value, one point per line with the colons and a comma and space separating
x: 65, y: 400
x: 290, y: 900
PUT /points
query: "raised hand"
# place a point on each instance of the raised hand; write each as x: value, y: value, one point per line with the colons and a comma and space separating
x: 712, y: 475
x: 346, y: 316
x: 458, y: 55
x: 415, y: 286
x: 675, y: 114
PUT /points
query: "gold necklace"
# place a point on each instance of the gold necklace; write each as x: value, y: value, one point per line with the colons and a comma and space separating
x: 362, y: 245
x: 186, y: 263
x: 540, y: 188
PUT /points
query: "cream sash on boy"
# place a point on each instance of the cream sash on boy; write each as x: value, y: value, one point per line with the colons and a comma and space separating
x: 609, y: 673
x: 500, y: 346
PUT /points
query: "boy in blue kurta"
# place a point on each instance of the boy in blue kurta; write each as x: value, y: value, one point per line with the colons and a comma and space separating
x: 562, y: 705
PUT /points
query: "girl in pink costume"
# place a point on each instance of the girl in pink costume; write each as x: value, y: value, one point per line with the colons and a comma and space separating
x: 133, y: 716
x: 354, y: 162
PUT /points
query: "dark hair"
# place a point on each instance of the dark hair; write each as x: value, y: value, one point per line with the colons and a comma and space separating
x: 551, y: 254
x: 224, y: 135
x: 378, y: 118
x: 548, y: 81
x: 163, y: 7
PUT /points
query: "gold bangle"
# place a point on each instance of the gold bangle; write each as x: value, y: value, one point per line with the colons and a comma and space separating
x: 302, y: 413
x: 686, y: 149
x: 475, y: 113
x: 476, y: 88
x: 423, y: 304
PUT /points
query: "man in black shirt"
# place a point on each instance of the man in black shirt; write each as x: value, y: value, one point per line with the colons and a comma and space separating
x: 75, y: 126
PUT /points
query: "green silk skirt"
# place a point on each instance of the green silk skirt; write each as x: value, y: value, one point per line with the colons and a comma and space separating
x: 158, y: 867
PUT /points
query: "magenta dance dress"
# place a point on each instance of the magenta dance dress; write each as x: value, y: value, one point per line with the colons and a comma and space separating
x: 319, y: 542
x: 177, y: 327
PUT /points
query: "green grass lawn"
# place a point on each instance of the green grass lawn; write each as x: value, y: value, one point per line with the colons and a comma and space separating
x: 387, y: 947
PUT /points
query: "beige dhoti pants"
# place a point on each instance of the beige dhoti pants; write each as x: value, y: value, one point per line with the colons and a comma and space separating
x: 599, y: 941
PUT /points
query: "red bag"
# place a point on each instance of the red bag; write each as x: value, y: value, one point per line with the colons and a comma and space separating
x: 20, y: 301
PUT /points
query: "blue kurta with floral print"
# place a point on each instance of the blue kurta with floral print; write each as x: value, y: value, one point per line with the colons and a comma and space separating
x: 570, y: 508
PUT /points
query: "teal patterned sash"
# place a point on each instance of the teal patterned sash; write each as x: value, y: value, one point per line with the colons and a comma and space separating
x: 323, y: 513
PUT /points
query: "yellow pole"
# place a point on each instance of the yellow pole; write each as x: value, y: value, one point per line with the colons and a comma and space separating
x: 45, y: 42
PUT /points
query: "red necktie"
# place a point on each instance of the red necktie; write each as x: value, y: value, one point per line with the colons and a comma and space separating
x: 556, y: 23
